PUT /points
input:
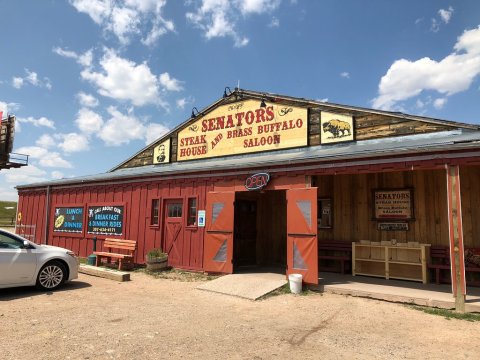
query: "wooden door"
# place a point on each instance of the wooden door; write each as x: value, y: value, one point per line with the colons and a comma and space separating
x: 302, y: 254
x: 173, y: 234
x: 218, y: 248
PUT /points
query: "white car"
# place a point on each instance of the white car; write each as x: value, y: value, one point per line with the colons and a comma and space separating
x: 23, y: 263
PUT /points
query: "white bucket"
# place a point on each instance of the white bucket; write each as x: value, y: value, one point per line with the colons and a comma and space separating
x: 295, y: 283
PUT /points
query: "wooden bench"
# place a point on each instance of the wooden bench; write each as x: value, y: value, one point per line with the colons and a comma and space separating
x: 440, y: 260
x: 337, y: 251
x: 127, y: 246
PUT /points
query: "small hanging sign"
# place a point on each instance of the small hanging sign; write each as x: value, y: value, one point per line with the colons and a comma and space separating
x: 257, y: 181
x: 393, y: 226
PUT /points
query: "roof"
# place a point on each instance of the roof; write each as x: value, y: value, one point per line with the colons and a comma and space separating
x: 320, y: 156
x: 239, y: 94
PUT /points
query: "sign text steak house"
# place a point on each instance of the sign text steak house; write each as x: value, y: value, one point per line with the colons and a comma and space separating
x: 198, y: 144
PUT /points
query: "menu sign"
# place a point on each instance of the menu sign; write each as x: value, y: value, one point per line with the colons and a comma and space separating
x: 105, y: 220
x: 393, y: 204
x: 68, y: 219
x: 243, y: 127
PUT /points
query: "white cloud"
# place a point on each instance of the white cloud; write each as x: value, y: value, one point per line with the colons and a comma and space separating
x: 6, y: 108
x: 181, y: 103
x: 45, y: 141
x: 43, y: 121
x: 32, y: 78
x: 435, y: 26
x: 128, y: 18
x: 170, y: 84
x: 219, y: 18
x: 154, y: 131
x: 88, y: 121
x: 73, y: 142
x: 121, y: 129
x: 123, y: 79
x: 345, y: 75
x: 25, y: 175
x: 57, y: 175
x: 274, y: 23
x: 323, y: 100
x: 84, y: 59
x: 454, y: 73
x: 17, y: 82
x: 87, y: 100
x: 439, y: 103
x: 44, y: 157
x: 446, y: 15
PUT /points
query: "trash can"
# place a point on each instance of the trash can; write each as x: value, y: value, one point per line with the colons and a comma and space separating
x: 295, y: 281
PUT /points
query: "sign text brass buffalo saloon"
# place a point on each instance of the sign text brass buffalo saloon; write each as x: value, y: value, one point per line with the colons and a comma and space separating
x: 242, y: 128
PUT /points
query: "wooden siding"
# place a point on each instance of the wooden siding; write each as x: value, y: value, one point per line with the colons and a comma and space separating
x: 352, y: 197
x: 137, y: 199
x: 352, y: 210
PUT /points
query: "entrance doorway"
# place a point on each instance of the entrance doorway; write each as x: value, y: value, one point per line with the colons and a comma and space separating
x: 260, y: 231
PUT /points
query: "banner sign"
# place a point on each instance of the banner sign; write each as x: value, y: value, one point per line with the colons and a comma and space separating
x: 68, y: 219
x: 393, y: 204
x: 105, y: 220
x: 243, y: 127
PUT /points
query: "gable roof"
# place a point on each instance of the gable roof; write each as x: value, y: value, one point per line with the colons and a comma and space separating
x: 242, y: 94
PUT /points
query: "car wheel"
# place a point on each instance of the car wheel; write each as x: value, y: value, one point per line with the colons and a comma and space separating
x: 51, y: 276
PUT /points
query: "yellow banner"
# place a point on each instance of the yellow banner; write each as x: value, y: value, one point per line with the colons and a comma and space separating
x: 243, y: 127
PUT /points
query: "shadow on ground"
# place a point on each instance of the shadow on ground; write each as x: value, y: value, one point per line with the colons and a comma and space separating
x: 29, y: 291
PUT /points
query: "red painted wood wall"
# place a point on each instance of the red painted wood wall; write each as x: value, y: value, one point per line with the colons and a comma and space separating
x: 137, y: 198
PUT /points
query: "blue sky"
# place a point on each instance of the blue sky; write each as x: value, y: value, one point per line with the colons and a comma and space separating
x: 93, y: 81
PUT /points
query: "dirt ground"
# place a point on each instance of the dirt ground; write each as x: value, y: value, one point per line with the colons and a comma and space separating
x: 150, y: 318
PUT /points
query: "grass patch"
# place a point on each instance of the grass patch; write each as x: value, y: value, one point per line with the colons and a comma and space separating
x: 8, y: 212
x: 447, y: 314
x: 178, y: 275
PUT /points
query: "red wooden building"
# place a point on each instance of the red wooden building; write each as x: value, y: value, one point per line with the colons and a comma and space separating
x: 274, y: 177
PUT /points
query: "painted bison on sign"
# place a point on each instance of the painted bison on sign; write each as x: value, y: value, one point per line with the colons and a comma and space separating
x: 338, y: 128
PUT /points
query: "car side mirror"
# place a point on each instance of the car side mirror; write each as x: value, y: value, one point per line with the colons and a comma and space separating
x: 26, y: 244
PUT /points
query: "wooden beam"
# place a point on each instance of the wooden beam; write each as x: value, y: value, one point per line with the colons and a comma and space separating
x: 456, y: 236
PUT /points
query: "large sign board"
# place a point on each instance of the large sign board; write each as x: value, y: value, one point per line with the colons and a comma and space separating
x: 393, y: 204
x: 105, y: 220
x: 68, y: 219
x: 243, y: 127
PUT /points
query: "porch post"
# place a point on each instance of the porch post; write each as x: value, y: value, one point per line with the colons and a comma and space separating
x: 455, y: 231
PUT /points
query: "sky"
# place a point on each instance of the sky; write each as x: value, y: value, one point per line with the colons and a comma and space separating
x: 92, y: 82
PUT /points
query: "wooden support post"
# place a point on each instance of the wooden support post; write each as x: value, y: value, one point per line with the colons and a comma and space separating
x: 456, y: 236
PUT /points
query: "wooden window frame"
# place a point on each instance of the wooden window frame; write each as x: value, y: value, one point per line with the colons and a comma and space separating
x: 195, y: 226
x: 150, y: 212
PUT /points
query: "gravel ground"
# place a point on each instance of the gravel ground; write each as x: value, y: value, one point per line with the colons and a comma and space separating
x: 158, y: 318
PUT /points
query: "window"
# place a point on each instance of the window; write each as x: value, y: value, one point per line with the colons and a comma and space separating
x: 7, y: 242
x: 192, y: 212
x: 154, y: 218
x: 174, y: 210
x: 324, y: 213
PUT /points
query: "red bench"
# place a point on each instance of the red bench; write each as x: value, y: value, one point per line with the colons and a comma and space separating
x: 440, y: 260
x: 335, y: 251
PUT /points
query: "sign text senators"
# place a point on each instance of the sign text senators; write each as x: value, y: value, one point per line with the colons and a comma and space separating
x: 242, y: 128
